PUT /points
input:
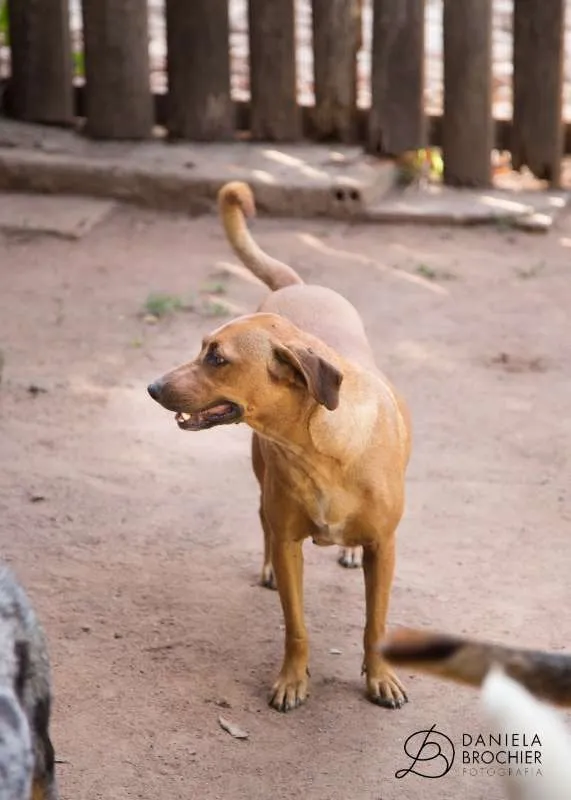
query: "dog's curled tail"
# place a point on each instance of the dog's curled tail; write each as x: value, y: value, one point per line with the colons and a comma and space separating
x: 546, y: 675
x: 235, y: 204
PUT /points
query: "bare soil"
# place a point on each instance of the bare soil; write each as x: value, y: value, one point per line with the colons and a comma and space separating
x: 141, y: 546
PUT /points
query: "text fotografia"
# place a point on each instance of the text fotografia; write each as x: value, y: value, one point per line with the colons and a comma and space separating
x: 516, y: 754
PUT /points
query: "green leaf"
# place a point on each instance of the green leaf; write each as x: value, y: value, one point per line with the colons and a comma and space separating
x: 4, y: 26
x: 79, y: 63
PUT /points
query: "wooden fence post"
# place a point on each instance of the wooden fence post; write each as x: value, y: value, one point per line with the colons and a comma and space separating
x: 336, y: 40
x: 198, y: 66
x: 117, y: 74
x: 40, y: 87
x: 467, y: 124
x: 397, y: 121
x: 537, y: 133
x: 275, y: 113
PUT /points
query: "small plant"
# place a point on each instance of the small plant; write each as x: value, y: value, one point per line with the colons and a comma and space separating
x: 418, y: 166
x: 212, y: 309
x: 160, y: 304
x: 427, y: 272
x: 216, y: 287
x: 432, y: 274
x: 530, y: 272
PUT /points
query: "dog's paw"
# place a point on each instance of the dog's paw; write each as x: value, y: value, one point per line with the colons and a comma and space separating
x: 290, y: 690
x: 385, y: 689
x: 267, y: 578
x: 350, y: 557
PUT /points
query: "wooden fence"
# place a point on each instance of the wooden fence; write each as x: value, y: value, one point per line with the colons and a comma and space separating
x: 117, y: 103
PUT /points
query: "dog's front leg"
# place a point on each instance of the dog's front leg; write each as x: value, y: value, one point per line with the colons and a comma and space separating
x: 383, y: 686
x: 290, y: 689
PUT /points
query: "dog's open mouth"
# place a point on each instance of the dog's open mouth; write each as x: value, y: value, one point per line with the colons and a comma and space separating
x: 222, y: 413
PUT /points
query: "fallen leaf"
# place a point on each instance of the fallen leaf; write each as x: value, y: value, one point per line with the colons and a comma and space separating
x: 232, y: 729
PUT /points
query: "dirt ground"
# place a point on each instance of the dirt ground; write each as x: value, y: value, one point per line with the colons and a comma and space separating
x: 140, y: 544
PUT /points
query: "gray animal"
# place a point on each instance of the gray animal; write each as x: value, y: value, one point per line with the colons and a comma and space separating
x: 26, y: 752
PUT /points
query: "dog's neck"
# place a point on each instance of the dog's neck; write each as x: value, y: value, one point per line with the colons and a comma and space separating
x: 310, y: 431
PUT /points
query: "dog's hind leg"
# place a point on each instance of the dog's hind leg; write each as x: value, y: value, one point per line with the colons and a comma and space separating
x: 350, y: 557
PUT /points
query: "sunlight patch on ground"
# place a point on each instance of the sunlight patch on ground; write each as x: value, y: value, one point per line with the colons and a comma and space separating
x: 423, y: 355
x: 292, y: 161
x: 335, y: 252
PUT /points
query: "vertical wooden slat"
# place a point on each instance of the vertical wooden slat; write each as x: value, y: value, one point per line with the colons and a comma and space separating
x: 336, y: 40
x: 118, y: 96
x: 397, y: 120
x: 467, y: 125
x: 40, y: 88
x: 275, y: 113
x: 537, y: 137
x: 198, y: 66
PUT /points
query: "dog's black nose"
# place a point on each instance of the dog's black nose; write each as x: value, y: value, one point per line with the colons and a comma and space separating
x: 154, y: 389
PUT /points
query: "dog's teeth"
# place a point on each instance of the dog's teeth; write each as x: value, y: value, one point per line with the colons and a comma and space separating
x: 184, y: 416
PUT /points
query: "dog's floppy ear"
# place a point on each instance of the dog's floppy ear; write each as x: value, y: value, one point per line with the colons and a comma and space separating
x: 322, y: 379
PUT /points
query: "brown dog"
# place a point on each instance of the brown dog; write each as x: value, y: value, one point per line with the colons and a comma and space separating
x: 546, y: 675
x: 331, y: 442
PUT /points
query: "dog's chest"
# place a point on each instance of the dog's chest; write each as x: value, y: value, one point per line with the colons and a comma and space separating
x: 330, y: 503
x: 331, y: 521
x: 327, y: 535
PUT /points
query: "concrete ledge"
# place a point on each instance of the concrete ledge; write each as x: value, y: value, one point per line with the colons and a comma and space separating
x: 63, y: 216
x: 305, y: 180
x: 174, y: 189
x: 534, y: 211
x: 297, y: 180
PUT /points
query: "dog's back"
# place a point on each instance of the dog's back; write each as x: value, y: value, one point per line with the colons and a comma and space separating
x: 26, y: 752
x: 317, y: 310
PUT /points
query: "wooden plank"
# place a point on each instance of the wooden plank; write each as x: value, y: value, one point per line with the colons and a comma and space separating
x: 40, y: 88
x: 502, y: 127
x: 537, y: 137
x: 198, y: 67
x: 273, y: 87
x: 467, y: 126
x: 397, y: 120
x: 337, y: 27
x: 117, y: 72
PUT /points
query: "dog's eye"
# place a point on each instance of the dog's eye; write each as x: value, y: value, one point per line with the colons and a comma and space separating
x: 214, y: 359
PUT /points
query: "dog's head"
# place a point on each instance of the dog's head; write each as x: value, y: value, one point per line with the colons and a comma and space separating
x: 254, y: 369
